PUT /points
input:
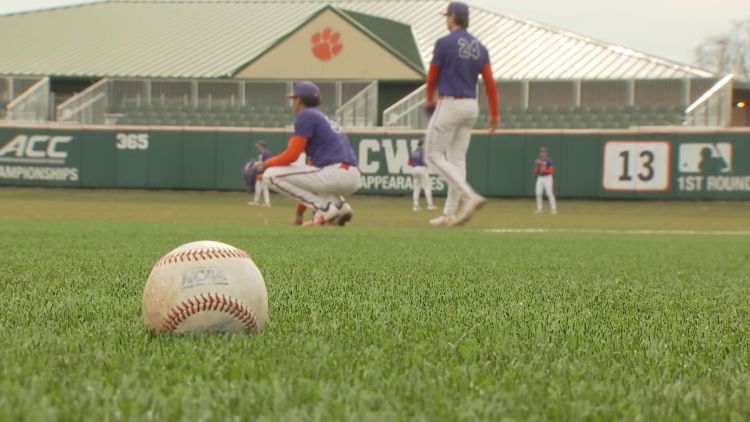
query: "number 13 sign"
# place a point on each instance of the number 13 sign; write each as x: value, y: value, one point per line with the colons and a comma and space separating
x: 636, y: 166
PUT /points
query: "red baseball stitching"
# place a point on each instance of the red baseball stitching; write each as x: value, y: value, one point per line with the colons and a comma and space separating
x: 209, y: 302
x: 200, y: 254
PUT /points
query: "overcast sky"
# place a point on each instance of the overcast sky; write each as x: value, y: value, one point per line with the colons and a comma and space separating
x: 666, y: 28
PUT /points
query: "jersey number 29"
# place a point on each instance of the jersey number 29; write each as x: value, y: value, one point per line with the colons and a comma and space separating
x: 468, y: 49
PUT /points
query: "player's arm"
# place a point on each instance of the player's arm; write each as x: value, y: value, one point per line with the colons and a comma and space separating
x: 492, y: 101
x: 549, y: 169
x: 433, y: 75
x: 293, y: 150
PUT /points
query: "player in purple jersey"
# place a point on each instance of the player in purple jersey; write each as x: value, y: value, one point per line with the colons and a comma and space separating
x: 458, y: 60
x: 331, y: 171
x: 543, y: 168
x: 420, y: 177
x: 261, y: 187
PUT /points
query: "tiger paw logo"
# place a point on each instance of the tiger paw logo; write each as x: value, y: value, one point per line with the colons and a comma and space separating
x: 326, y: 44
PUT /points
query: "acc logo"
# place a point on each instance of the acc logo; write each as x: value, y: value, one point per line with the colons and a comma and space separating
x: 35, y: 147
x: 326, y: 44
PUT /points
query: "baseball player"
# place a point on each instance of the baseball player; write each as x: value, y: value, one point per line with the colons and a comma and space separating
x: 543, y: 168
x: 261, y: 187
x: 331, y: 172
x: 457, y: 61
x: 420, y: 177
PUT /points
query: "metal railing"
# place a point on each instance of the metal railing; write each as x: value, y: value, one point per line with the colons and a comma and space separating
x: 88, y: 107
x: 408, y: 112
x: 33, y: 105
x: 714, y: 107
x: 361, y: 110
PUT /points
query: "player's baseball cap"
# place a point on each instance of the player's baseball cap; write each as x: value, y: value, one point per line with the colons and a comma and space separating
x: 543, y: 149
x: 457, y: 8
x: 305, y: 89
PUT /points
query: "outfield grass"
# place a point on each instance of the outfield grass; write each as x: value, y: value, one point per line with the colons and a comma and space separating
x: 384, y: 320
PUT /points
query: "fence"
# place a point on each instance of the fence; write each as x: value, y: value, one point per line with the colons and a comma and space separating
x: 361, y: 110
x: 408, y: 112
x: 714, y: 108
x: 565, y: 94
x: 10, y: 87
x: 88, y: 107
x: 682, y: 163
x: 33, y: 105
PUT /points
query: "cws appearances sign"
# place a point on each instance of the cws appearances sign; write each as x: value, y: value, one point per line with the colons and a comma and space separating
x: 383, y: 162
x: 34, y: 158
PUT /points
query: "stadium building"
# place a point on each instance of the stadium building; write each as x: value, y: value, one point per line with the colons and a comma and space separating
x: 228, y: 63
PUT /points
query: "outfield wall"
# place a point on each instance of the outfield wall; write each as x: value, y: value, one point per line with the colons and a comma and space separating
x: 653, y: 164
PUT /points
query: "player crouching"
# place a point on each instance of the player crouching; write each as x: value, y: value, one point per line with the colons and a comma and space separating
x: 331, y: 172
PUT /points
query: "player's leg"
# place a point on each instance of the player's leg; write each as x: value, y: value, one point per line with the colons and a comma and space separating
x: 539, y: 191
x: 548, y: 187
x: 258, y: 188
x: 457, y: 154
x: 416, y: 182
x: 427, y: 187
x: 301, y: 183
x: 439, y: 138
x: 323, y: 189
x: 266, y: 194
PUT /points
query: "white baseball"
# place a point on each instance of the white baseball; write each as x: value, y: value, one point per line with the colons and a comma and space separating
x: 205, y: 286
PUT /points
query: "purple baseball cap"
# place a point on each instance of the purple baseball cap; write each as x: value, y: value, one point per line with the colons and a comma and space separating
x: 305, y: 89
x: 457, y: 8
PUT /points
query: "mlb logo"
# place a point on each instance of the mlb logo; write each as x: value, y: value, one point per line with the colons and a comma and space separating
x: 705, y: 158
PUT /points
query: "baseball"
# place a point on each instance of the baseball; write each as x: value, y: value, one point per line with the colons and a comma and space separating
x: 205, y: 286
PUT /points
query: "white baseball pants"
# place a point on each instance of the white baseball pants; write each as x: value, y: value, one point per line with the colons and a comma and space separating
x: 261, y: 188
x: 315, y: 187
x: 420, y: 180
x: 544, y: 186
x: 446, y: 145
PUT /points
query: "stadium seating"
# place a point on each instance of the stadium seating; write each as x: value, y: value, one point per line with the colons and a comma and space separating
x: 187, y: 115
x: 612, y: 117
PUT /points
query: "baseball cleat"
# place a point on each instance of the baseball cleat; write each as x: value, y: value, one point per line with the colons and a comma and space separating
x: 431, y: 208
x: 415, y: 209
x: 537, y: 211
x: 472, y: 206
x: 252, y: 203
x: 324, y: 216
x: 553, y: 212
x: 443, y: 220
x: 346, y: 213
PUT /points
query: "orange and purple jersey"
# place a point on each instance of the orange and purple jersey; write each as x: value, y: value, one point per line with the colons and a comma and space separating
x: 544, y: 167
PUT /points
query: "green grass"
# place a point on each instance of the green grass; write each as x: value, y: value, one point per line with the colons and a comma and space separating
x: 384, y: 320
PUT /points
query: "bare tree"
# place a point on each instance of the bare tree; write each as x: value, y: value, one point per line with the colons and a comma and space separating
x: 728, y: 53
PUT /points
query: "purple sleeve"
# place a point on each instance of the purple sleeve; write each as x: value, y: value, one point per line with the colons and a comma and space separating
x: 304, y: 125
x: 264, y: 155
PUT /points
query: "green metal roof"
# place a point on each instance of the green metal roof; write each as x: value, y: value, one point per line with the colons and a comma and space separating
x: 212, y: 39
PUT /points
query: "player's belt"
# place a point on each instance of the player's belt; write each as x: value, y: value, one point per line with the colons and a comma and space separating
x: 346, y: 166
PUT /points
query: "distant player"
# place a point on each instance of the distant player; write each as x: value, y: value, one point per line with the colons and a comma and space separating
x: 261, y: 187
x: 457, y: 61
x: 420, y: 177
x: 543, y: 168
x: 331, y: 172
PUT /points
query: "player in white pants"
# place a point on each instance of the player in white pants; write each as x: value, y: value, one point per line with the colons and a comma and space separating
x: 261, y: 187
x: 420, y: 177
x: 543, y: 168
x: 458, y: 60
x: 331, y: 172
